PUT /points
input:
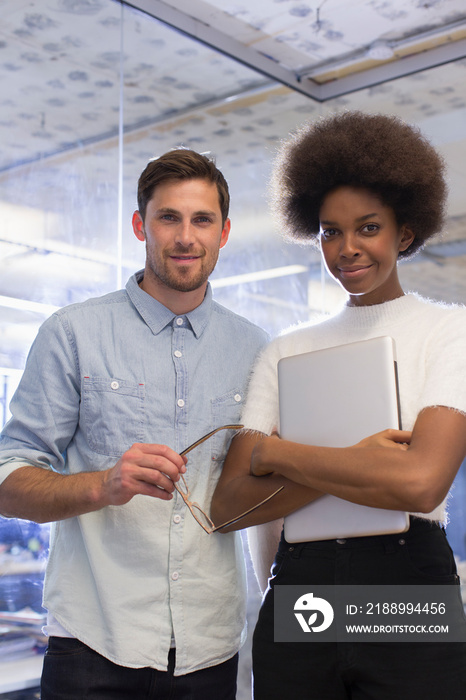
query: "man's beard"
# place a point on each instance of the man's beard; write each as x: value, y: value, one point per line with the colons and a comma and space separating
x: 183, y: 279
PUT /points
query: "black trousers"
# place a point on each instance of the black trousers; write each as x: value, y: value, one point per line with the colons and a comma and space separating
x: 73, y: 671
x: 361, y: 671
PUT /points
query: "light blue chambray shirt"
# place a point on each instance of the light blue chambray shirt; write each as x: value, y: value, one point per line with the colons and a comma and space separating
x: 100, y: 376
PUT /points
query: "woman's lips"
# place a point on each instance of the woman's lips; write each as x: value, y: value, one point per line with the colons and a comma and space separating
x: 353, y: 272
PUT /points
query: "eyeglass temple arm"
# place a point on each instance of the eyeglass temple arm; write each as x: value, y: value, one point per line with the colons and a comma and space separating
x: 247, y: 512
x: 209, y: 435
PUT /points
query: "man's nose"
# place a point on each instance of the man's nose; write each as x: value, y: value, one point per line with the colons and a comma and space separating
x: 185, y: 234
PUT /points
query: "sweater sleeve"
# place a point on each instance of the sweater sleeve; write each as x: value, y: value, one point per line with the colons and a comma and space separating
x: 261, y: 409
x: 263, y: 543
x: 445, y: 360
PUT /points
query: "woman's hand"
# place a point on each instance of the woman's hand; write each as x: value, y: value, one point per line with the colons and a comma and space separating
x: 263, y: 454
x: 388, y: 438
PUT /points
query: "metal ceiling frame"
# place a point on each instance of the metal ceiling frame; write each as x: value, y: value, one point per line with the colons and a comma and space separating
x: 399, y: 68
x: 271, y: 69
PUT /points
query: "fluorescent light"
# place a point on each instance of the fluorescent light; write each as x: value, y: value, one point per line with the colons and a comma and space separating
x: 47, y: 309
x: 258, y: 275
x: 25, y: 305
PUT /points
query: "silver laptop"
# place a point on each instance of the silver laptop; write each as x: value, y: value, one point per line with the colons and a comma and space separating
x: 334, y: 398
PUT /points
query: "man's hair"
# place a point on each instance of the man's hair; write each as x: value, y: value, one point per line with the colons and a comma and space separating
x: 181, y: 164
x: 380, y: 153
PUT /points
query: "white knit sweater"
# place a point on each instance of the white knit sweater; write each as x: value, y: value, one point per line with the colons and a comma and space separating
x: 430, y: 340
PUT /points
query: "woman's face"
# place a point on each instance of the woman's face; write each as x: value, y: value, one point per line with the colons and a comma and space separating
x: 360, y: 241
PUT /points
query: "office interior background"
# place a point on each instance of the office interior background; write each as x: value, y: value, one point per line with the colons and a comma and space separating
x: 90, y: 90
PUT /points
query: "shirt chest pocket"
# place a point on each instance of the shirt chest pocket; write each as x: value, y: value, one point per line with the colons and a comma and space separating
x: 226, y: 410
x: 112, y: 413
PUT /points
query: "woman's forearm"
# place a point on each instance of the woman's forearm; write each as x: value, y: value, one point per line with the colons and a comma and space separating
x: 414, y: 478
x: 238, y: 490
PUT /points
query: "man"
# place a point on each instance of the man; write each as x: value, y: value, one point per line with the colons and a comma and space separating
x: 141, y: 601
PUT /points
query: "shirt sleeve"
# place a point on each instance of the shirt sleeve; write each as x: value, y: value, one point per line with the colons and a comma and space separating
x: 445, y: 383
x: 45, y: 406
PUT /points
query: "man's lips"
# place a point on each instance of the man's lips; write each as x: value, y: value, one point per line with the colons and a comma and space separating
x: 184, y: 259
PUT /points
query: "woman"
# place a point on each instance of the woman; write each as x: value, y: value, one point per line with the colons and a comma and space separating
x: 370, y: 189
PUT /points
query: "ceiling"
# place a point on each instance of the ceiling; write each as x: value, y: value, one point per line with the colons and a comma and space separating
x: 324, y: 48
x: 67, y: 93
x: 60, y: 59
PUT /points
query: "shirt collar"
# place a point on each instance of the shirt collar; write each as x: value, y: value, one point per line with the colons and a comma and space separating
x: 157, y: 316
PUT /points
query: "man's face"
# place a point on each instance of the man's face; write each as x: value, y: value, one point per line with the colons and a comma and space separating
x: 183, y: 232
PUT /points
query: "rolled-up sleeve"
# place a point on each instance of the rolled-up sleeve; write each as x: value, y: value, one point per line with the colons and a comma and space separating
x: 45, y: 406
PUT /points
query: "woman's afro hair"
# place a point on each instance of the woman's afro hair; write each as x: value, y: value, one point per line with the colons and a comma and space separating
x: 377, y: 152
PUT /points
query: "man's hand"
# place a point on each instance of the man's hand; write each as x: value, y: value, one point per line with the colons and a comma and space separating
x: 44, y: 495
x: 145, y: 469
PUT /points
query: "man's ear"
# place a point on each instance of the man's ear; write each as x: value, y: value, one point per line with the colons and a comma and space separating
x: 407, y: 237
x: 138, y: 226
x: 225, y: 232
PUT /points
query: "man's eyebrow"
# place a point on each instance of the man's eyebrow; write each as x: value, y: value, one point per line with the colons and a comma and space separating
x: 360, y: 219
x: 167, y: 210
x: 206, y: 212
x: 170, y: 210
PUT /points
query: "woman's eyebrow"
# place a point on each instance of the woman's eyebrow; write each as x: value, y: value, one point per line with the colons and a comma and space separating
x: 360, y: 219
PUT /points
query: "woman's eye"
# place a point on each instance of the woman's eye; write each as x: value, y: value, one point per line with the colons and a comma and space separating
x: 370, y: 228
x: 328, y: 233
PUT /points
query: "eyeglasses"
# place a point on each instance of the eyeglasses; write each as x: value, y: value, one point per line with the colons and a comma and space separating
x: 197, y: 512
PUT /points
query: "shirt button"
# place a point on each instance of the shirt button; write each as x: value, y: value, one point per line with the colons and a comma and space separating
x: 180, y: 403
x: 341, y: 541
x: 115, y: 385
x: 237, y: 397
x: 177, y: 353
x: 175, y: 576
x: 179, y: 321
x: 401, y: 541
x: 177, y: 519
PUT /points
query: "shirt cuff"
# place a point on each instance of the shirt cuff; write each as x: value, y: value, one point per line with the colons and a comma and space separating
x: 8, y: 466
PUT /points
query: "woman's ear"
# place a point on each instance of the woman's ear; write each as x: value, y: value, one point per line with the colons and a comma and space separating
x: 407, y: 237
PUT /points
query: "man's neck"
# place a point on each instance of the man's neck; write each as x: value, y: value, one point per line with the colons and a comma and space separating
x: 178, y: 302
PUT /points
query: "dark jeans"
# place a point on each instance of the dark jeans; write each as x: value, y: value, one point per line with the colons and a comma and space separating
x: 361, y: 671
x: 73, y: 671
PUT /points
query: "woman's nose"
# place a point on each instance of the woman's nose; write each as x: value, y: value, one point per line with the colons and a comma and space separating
x: 349, y: 246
